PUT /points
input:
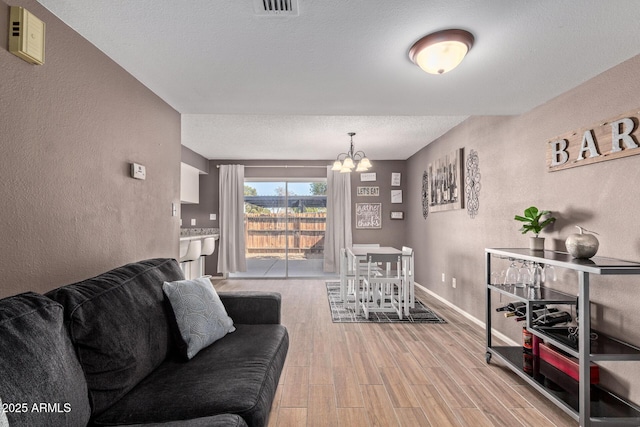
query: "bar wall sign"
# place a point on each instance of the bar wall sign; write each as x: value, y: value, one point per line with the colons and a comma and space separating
x: 613, y: 139
x: 368, y: 191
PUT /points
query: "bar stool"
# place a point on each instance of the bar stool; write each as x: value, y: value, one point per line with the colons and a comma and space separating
x: 184, y: 247
x: 193, y: 253
x: 208, y: 246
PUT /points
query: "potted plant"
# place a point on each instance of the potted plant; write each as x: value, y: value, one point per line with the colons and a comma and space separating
x: 532, y: 222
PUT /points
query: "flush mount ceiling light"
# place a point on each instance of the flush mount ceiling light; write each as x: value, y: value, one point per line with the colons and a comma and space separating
x: 345, y: 162
x: 441, y: 51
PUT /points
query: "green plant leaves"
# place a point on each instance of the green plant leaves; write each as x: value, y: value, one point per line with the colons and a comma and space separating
x: 531, y: 218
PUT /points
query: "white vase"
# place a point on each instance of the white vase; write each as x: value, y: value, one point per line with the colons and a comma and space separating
x: 536, y: 243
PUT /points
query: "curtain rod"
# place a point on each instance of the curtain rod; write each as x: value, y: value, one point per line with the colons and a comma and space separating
x: 281, y: 166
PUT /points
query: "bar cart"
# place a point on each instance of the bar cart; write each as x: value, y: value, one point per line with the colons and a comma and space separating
x: 586, y: 402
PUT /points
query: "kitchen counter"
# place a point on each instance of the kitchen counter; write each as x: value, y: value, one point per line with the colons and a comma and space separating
x: 199, y: 236
x: 198, y: 233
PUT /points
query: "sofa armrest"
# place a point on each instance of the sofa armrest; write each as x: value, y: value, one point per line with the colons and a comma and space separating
x: 252, y: 308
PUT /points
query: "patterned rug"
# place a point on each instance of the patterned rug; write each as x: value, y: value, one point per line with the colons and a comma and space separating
x: 340, y: 314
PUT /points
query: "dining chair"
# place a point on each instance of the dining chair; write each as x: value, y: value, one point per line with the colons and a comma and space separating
x: 409, y: 278
x: 347, y: 278
x: 382, y: 287
x: 363, y: 245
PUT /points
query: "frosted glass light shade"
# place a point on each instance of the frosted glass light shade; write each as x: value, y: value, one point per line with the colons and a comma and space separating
x: 337, y: 165
x: 348, y: 163
x: 441, y: 52
x: 365, y: 163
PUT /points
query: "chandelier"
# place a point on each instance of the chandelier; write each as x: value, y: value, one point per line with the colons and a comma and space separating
x: 345, y: 162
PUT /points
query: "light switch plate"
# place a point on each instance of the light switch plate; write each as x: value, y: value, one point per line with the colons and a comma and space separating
x: 212, y: 217
x: 138, y: 171
x: 193, y: 221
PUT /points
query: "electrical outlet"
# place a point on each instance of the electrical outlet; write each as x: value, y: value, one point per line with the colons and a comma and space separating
x: 212, y: 217
x: 193, y: 221
x: 453, y: 282
x: 443, y: 278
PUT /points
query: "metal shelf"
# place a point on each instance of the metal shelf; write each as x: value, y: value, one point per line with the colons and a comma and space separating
x: 563, y: 390
x: 602, y: 348
x: 589, y: 404
x: 537, y: 296
x: 595, y: 265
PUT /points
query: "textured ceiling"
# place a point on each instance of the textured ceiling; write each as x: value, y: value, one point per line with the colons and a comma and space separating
x: 252, y: 87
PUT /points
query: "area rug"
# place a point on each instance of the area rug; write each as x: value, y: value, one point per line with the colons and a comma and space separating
x: 339, y: 314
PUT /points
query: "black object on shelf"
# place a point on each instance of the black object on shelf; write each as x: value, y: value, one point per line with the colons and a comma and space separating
x: 512, y: 306
x: 551, y: 319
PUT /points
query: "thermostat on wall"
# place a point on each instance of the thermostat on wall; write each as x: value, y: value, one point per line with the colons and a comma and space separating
x: 26, y: 35
x: 138, y: 171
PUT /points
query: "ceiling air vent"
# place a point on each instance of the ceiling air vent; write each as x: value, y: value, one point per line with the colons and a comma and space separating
x: 276, y: 7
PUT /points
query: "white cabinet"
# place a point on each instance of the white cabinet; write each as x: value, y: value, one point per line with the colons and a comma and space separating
x: 189, y: 184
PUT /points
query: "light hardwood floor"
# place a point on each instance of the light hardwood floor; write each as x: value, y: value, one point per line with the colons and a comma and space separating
x: 366, y: 374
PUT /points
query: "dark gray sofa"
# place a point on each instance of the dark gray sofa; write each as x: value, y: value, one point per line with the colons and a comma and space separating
x: 104, y: 352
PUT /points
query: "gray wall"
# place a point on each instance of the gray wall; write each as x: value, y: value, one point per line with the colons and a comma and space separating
x: 603, y: 197
x: 194, y: 159
x: 69, y: 129
x: 392, y: 231
x: 391, y: 234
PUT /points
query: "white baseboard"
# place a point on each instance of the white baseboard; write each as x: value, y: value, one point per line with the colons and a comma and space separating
x: 473, y: 319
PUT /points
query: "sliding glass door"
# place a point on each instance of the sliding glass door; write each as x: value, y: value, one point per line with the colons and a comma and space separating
x: 284, y: 228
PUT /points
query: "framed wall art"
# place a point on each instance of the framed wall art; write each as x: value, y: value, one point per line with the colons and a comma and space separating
x: 369, y: 176
x: 397, y: 215
x: 445, y: 182
x: 368, y: 215
x: 367, y: 191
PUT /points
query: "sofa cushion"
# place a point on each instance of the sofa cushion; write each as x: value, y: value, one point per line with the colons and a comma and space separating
x: 119, y: 324
x: 199, y: 314
x: 237, y: 374
x: 225, y: 420
x: 38, y: 365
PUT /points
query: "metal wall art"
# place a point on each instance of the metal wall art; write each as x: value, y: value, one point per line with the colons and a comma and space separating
x: 425, y: 195
x: 472, y: 183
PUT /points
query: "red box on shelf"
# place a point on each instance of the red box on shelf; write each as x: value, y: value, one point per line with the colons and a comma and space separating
x: 567, y: 364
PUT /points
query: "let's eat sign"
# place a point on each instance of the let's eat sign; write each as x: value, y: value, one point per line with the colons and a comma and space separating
x: 613, y: 139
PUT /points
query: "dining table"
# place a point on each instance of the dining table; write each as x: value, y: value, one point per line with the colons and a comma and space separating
x: 358, y: 257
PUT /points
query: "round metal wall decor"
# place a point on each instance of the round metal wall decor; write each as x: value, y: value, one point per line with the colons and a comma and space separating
x: 472, y: 183
x: 425, y: 194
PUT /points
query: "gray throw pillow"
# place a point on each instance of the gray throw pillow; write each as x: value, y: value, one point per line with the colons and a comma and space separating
x: 200, y: 315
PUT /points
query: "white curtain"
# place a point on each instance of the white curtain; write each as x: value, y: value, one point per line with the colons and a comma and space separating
x: 338, y: 232
x: 231, y: 252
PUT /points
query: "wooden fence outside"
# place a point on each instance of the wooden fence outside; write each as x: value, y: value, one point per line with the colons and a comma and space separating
x: 269, y: 233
